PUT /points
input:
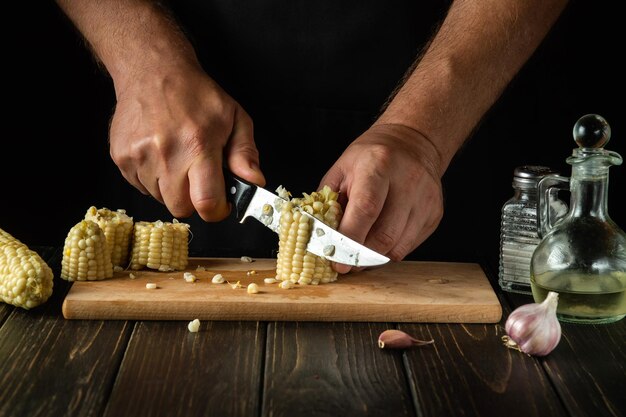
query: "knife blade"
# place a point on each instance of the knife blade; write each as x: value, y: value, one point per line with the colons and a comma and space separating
x: 250, y: 200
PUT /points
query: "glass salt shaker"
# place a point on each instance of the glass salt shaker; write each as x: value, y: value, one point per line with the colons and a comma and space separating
x: 582, y: 256
x: 518, y: 234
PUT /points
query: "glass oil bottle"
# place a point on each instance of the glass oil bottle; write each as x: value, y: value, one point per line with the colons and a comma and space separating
x: 582, y: 256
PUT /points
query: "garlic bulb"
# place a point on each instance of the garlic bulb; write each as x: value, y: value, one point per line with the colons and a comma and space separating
x: 397, y: 339
x: 534, y: 328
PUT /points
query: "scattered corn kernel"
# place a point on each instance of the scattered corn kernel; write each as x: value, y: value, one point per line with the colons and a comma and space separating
x: 200, y: 268
x: 285, y: 285
x: 132, y: 276
x: 194, y: 326
x: 189, y: 277
x: 246, y: 259
x: 151, y: 286
x: 217, y: 279
x: 253, y: 288
x: 236, y: 285
x: 269, y: 280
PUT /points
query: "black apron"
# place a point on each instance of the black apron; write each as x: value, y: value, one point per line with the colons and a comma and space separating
x: 313, y: 76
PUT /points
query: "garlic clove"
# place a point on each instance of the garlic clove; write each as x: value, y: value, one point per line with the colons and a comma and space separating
x: 534, y: 328
x: 397, y: 339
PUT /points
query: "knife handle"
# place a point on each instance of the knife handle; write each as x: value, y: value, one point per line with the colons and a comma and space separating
x: 239, y: 192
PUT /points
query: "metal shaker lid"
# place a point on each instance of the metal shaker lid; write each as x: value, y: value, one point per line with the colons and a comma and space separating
x: 529, y: 175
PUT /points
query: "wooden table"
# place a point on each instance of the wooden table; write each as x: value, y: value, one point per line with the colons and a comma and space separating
x: 50, y: 366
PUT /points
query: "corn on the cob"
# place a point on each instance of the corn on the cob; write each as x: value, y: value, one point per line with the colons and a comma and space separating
x: 85, y: 253
x: 26, y: 280
x: 294, y: 263
x: 117, y: 227
x: 160, y: 245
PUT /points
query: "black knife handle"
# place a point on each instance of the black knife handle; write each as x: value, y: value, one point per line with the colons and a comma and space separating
x: 239, y: 192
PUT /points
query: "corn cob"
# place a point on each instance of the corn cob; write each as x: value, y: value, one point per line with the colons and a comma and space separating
x: 294, y: 263
x: 85, y: 253
x: 160, y: 245
x: 117, y: 227
x: 26, y: 280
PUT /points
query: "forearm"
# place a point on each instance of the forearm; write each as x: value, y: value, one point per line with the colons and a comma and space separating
x: 479, y: 48
x: 130, y: 37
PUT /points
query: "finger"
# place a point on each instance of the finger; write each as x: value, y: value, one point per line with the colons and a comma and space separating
x: 133, y: 180
x: 391, y: 222
x: 242, y: 154
x: 414, y: 234
x: 206, y: 187
x: 366, y: 198
x: 175, y: 191
x: 418, y: 229
x: 151, y: 184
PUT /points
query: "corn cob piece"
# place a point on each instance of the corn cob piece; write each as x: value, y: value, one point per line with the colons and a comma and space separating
x: 117, y: 227
x: 26, y: 280
x: 160, y: 245
x: 86, y: 254
x: 294, y: 263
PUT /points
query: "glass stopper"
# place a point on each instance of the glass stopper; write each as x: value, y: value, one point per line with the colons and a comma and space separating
x: 592, y: 131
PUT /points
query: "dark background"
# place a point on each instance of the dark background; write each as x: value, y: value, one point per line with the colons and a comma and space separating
x: 55, y: 161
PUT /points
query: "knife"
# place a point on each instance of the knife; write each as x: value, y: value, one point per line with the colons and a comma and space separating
x: 250, y: 200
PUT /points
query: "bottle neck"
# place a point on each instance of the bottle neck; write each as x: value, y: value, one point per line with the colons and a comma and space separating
x: 589, y: 193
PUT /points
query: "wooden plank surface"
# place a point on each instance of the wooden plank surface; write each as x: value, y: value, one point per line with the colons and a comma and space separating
x: 418, y: 292
x: 169, y: 371
x: 588, y: 367
x: 332, y: 369
x: 53, y: 367
x: 468, y: 371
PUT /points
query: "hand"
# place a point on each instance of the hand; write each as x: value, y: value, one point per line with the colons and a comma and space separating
x: 389, y: 177
x: 169, y: 133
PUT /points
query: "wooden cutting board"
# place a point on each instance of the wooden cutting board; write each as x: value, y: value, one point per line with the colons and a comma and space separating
x: 435, y: 292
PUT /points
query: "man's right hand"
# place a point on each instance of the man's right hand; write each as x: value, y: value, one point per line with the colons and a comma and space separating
x: 173, y: 124
x: 169, y: 133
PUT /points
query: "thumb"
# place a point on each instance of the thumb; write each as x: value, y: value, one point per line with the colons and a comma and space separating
x: 241, y: 152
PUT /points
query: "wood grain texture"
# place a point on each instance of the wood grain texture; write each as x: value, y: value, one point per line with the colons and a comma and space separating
x: 53, y: 367
x: 5, y: 310
x: 418, y: 292
x: 169, y: 371
x: 468, y: 371
x: 590, y: 375
x: 588, y: 367
x: 332, y: 369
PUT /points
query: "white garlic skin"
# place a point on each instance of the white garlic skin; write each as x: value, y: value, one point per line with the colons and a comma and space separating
x: 535, y: 327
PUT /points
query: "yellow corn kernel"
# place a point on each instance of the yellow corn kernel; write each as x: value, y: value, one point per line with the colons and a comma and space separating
x: 85, y: 254
x: 293, y: 262
x: 117, y: 227
x: 26, y: 280
x: 160, y: 245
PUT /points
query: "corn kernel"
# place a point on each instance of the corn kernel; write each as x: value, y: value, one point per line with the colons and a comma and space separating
x: 217, y: 279
x: 253, y: 288
x: 285, y: 285
x: 151, y: 286
x: 189, y: 277
x: 193, y: 326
